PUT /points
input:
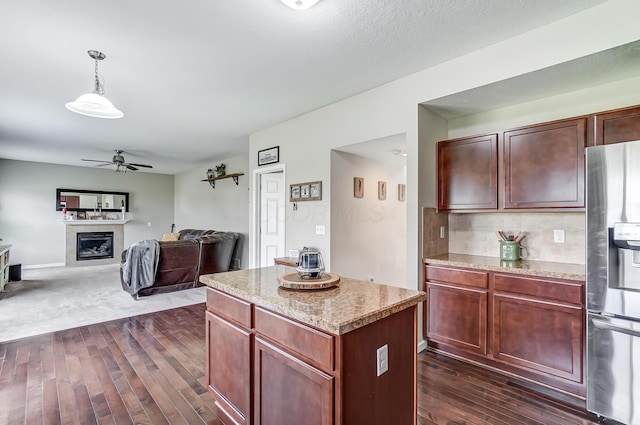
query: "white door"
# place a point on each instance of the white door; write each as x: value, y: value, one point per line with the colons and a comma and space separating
x: 272, y: 214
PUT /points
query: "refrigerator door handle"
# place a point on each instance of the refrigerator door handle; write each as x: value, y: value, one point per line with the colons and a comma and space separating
x: 608, y: 326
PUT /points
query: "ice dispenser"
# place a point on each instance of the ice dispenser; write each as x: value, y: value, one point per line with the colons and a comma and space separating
x: 625, y: 252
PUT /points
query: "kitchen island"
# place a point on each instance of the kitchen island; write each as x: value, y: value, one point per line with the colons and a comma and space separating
x: 280, y: 356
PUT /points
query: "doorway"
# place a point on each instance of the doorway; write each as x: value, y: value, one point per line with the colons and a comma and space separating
x: 268, y: 224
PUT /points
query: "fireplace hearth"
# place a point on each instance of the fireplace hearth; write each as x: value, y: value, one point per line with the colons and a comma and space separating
x: 94, y: 245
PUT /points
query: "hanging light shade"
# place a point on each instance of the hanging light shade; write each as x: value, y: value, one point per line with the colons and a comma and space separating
x: 95, y: 104
x: 300, y: 4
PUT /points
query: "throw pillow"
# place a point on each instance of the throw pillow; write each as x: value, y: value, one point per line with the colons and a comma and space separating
x: 170, y: 237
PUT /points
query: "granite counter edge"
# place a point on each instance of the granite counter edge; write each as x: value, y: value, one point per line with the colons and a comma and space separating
x: 512, y: 270
x: 315, y: 321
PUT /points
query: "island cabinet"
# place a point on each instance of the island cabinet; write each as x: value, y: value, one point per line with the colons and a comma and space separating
x: 279, y: 357
x: 527, y: 326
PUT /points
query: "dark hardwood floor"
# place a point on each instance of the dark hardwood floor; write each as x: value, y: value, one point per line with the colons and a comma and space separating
x: 150, y: 369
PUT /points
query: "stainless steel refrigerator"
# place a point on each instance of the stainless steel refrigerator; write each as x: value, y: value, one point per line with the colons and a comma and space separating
x: 613, y: 281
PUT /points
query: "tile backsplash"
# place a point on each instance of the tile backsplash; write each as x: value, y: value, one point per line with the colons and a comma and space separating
x: 475, y: 234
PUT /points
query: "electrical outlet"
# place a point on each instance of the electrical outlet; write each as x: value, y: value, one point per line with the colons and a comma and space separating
x: 382, y: 360
x: 441, y: 232
x: 149, y: 224
x: 320, y: 229
x: 558, y: 236
x: 294, y: 253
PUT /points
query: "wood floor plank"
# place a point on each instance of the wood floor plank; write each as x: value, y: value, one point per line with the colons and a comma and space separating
x: 150, y: 369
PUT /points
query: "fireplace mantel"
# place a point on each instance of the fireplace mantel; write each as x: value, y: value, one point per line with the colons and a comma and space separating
x: 93, y: 222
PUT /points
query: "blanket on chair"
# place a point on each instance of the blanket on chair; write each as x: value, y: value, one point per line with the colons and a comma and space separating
x: 141, y: 264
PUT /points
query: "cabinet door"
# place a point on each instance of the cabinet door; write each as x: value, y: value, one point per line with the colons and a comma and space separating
x: 617, y: 126
x: 544, y: 165
x: 540, y: 336
x: 229, y: 367
x: 467, y: 173
x: 457, y: 317
x: 288, y: 391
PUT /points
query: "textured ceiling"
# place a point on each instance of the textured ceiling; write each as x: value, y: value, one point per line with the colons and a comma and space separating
x: 195, y: 78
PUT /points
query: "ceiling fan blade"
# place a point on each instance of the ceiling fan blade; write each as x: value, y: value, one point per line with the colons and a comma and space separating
x: 129, y: 166
x: 140, y: 165
x: 96, y: 160
x: 106, y: 164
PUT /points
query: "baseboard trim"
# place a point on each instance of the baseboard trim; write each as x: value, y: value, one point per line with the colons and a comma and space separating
x: 42, y: 266
x: 422, y: 345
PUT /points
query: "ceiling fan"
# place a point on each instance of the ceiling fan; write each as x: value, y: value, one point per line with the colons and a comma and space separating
x: 119, y: 163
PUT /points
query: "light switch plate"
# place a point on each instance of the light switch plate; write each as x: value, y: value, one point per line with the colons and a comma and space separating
x: 558, y: 236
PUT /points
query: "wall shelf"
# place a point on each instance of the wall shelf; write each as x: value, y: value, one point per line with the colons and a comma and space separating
x: 234, y: 176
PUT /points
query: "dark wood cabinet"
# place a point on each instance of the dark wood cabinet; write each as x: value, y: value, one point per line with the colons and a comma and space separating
x: 228, y: 368
x: 544, y: 165
x: 265, y: 368
x: 308, y: 392
x: 538, y: 335
x: 457, y: 317
x: 617, y: 126
x: 468, y: 173
x: 535, y: 167
x: 525, y: 326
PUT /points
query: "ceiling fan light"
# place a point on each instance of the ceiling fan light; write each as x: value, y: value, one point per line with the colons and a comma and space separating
x: 94, y: 105
x: 299, y: 4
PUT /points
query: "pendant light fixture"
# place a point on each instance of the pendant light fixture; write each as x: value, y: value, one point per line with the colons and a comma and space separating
x: 95, y: 104
x: 300, y: 4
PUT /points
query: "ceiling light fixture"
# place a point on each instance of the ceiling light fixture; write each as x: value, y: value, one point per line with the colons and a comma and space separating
x: 95, y: 104
x: 299, y: 4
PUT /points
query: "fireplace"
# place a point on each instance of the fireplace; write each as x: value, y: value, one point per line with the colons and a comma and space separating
x: 94, y: 245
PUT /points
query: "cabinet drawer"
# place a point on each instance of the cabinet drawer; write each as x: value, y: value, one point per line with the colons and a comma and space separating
x: 229, y: 307
x: 553, y: 290
x: 456, y: 276
x: 315, y: 347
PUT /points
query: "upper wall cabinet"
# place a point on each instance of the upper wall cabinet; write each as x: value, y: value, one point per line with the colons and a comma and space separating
x: 544, y: 165
x: 622, y: 125
x: 538, y: 167
x: 467, y: 173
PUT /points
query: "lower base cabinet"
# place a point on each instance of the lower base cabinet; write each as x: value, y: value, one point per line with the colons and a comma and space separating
x: 264, y: 368
x: 231, y: 384
x: 308, y: 392
x: 539, y: 336
x: 525, y: 326
x: 468, y: 306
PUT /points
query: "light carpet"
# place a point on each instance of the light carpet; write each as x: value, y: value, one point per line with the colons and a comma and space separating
x: 57, y: 298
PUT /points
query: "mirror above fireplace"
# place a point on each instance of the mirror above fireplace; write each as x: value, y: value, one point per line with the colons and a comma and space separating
x: 89, y: 200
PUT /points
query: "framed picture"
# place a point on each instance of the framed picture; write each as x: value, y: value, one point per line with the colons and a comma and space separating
x: 315, y: 191
x: 382, y: 190
x: 269, y: 156
x: 310, y: 191
x: 294, y: 194
x: 304, y: 191
x: 82, y: 215
x: 402, y: 192
x: 358, y: 187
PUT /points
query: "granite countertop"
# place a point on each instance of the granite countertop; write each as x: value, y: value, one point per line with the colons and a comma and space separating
x: 524, y: 267
x: 350, y: 305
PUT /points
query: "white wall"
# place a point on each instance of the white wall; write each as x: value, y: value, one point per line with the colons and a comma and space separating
x: 305, y: 142
x: 198, y: 206
x: 29, y: 220
x: 369, y: 235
